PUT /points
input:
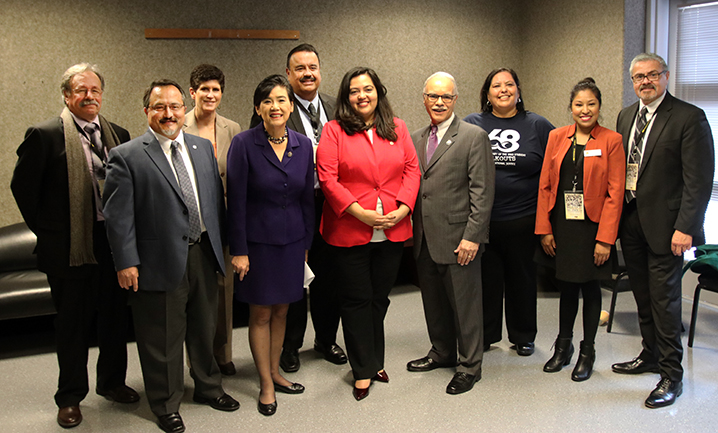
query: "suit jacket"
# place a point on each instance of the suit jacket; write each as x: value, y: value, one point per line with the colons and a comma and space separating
x: 352, y: 169
x: 604, y: 180
x: 676, y: 175
x: 269, y: 201
x: 225, y: 130
x: 40, y: 187
x: 457, y: 190
x: 295, y: 119
x: 146, y: 216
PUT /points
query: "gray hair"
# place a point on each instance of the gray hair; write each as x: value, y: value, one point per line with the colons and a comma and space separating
x: 79, y: 68
x: 445, y: 75
x: 645, y: 57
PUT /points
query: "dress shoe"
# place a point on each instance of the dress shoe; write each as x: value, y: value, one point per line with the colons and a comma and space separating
x: 665, y: 394
x: 563, y: 351
x: 121, y: 394
x: 227, y: 369
x: 360, y: 393
x: 223, y: 402
x: 426, y: 364
x: 636, y: 366
x: 267, y: 409
x: 289, y: 360
x: 584, y: 365
x: 462, y: 382
x: 332, y: 352
x: 171, y: 423
x: 524, y: 349
x: 381, y: 376
x: 69, y: 416
x: 295, y: 388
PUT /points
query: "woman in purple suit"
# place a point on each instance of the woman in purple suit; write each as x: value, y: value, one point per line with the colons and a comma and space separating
x: 270, y: 210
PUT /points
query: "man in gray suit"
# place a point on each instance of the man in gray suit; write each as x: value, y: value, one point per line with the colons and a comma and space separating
x: 311, y: 111
x: 451, y: 221
x: 164, y: 208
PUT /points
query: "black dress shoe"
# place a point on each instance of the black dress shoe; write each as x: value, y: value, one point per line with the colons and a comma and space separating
x: 267, y: 409
x: 360, y: 393
x: 289, y: 360
x: 426, y: 364
x: 295, y: 388
x: 381, y: 376
x: 121, y: 394
x: 223, y: 402
x: 69, y: 417
x: 227, y: 369
x: 636, y: 366
x: 665, y: 394
x: 171, y: 423
x: 332, y: 352
x: 524, y: 349
x: 461, y: 382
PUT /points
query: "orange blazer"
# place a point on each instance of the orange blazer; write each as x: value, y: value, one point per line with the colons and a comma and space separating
x: 352, y: 169
x: 604, y: 180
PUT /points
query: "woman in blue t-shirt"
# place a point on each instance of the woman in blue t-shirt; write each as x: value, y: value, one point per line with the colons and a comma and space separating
x: 518, y: 141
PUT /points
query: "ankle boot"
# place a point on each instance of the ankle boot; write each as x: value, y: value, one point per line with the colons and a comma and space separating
x: 584, y: 365
x: 561, y: 355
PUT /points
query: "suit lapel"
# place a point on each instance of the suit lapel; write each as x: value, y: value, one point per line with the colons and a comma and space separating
x: 661, y: 118
x: 328, y: 108
x: 446, y: 141
x: 295, y: 120
x: 421, y: 149
x: 157, y: 155
x: 261, y: 141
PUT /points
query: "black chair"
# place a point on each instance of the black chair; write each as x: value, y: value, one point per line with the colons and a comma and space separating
x: 706, y: 281
x: 618, y: 284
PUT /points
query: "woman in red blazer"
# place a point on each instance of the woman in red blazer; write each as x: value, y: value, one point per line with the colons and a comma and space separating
x: 368, y: 171
x: 579, y: 208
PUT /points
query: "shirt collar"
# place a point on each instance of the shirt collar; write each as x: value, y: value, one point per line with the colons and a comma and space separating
x: 442, y: 127
x: 305, y: 103
x: 653, y: 106
x: 166, y: 143
x: 82, y: 122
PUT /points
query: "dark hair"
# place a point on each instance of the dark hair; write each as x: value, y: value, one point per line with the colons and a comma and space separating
x: 204, y: 73
x: 160, y: 83
x: 350, y: 121
x: 265, y: 87
x: 485, y: 106
x: 300, y: 48
x: 587, y: 83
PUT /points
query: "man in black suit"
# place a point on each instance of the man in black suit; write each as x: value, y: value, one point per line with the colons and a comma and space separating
x: 164, y: 205
x: 57, y: 185
x: 311, y: 111
x: 668, y: 185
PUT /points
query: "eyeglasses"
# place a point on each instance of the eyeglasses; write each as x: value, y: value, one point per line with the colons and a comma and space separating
x: 82, y: 91
x: 161, y: 107
x: 652, y: 76
x: 433, y: 97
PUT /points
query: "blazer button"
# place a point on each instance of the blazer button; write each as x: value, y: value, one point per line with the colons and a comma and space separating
x: 423, y: 196
x: 184, y: 238
x: 426, y: 176
x: 184, y: 211
x: 221, y: 175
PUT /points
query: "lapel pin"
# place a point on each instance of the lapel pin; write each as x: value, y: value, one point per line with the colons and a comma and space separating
x: 194, y: 146
x: 391, y: 143
x: 289, y: 154
x: 448, y: 143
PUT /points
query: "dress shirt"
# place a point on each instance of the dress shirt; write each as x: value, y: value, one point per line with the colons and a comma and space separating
x: 307, y: 123
x: 441, y: 129
x: 652, y: 107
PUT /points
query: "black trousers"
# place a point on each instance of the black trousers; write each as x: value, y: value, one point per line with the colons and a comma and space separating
x: 508, y: 269
x: 323, y: 299
x: 79, y: 302
x: 656, y: 284
x: 164, y: 321
x: 367, y: 273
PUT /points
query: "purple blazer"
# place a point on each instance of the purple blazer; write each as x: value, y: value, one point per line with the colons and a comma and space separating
x: 269, y: 201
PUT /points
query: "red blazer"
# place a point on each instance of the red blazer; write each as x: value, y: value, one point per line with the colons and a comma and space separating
x: 604, y: 180
x: 352, y: 169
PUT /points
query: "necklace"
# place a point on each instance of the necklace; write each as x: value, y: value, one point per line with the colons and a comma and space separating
x: 277, y: 140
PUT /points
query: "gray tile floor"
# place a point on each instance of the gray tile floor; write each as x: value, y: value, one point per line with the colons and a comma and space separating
x: 515, y: 395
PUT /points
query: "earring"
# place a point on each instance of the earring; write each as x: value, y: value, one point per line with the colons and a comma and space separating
x: 519, y: 99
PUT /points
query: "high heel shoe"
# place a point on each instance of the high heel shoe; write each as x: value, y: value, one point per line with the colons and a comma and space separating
x: 267, y: 409
x: 561, y: 355
x: 381, y: 376
x: 360, y: 393
x: 584, y: 364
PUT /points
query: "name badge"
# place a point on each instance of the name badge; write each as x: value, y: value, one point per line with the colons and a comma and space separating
x: 591, y: 152
x: 631, y: 176
x: 573, y: 201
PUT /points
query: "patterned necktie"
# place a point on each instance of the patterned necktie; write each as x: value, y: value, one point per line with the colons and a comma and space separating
x: 195, y: 230
x: 636, y: 154
x: 433, y: 143
x: 316, y: 122
x: 90, y: 129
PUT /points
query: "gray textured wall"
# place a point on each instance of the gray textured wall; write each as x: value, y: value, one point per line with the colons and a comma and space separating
x: 551, y: 44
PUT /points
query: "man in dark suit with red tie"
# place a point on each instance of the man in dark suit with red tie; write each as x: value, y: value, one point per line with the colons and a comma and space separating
x: 669, y: 174
x: 57, y: 185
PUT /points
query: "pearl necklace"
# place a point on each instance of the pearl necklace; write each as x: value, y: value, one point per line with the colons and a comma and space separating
x: 277, y: 140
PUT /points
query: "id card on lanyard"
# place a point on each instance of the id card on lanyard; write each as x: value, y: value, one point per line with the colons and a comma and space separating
x: 573, y: 200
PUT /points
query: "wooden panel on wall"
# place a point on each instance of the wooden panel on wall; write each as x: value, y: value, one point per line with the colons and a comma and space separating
x: 220, y: 34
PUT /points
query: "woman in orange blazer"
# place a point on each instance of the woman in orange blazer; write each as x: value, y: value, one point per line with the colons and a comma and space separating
x: 579, y: 209
x: 368, y: 171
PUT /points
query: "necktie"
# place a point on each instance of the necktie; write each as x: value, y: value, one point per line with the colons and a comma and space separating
x: 195, y: 230
x: 90, y: 129
x: 316, y: 122
x: 433, y: 143
x: 636, y: 154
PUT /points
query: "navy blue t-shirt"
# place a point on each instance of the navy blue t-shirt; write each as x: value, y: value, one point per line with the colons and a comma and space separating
x: 518, y: 144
